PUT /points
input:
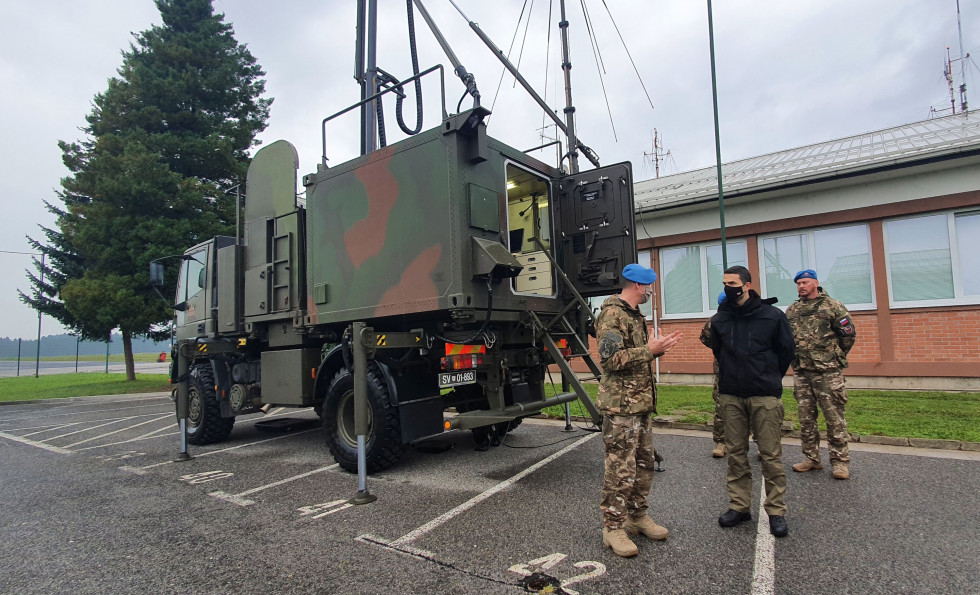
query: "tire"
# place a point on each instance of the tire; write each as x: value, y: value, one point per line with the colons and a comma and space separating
x: 383, y: 443
x: 204, y: 422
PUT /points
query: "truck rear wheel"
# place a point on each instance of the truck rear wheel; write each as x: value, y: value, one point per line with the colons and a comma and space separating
x: 382, y: 444
x: 204, y: 422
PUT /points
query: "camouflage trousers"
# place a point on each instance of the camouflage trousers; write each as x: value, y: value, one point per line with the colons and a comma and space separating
x: 764, y: 417
x: 629, y: 468
x: 718, y: 429
x: 827, y: 390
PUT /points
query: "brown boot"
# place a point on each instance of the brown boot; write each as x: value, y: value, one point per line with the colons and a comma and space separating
x: 645, y: 525
x: 719, y: 450
x: 619, y: 542
x: 841, y: 471
x: 807, y: 465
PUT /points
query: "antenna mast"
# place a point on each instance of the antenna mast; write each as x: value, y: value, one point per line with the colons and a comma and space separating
x: 657, y: 153
x: 959, y: 29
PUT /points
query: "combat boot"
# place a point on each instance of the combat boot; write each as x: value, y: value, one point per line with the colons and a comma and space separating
x: 719, y: 450
x: 619, y: 542
x: 807, y: 465
x: 645, y: 525
x: 841, y: 471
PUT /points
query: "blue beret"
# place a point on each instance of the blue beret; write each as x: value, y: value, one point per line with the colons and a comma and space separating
x: 639, y: 274
x: 805, y: 274
x: 721, y: 297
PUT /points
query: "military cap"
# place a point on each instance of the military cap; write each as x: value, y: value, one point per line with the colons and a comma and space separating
x: 639, y: 274
x: 805, y: 274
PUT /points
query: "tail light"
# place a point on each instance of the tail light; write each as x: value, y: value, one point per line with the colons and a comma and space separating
x: 462, y: 357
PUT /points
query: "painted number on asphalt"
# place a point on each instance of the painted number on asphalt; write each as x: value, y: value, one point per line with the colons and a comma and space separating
x: 321, y: 510
x: 545, y: 563
x: 195, y: 478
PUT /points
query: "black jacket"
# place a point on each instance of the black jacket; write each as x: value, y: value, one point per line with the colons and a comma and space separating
x: 754, y: 347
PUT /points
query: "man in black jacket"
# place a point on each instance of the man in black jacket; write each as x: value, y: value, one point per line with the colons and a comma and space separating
x: 753, y: 343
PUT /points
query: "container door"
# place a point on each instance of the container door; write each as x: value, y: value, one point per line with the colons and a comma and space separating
x: 595, y: 228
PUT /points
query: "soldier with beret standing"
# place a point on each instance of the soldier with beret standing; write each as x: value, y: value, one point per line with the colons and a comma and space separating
x: 627, y: 397
x: 824, y: 334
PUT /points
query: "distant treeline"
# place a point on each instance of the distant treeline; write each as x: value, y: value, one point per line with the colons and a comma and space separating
x: 52, y: 345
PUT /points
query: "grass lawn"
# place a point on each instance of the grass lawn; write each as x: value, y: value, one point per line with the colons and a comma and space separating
x: 913, y: 414
x: 53, y: 386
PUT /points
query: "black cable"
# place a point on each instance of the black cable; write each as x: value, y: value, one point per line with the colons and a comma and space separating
x: 486, y: 322
x: 418, y: 82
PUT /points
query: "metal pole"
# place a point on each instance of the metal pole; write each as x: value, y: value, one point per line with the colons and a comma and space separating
x: 37, y: 357
x: 18, y: 356
x: 959, y: 29
x: 76, y: 354
x: 566, y: 66
x: 107, y: 341
x: 183, y: 387
x: 714, y: 99
x: 360, y: 412
x: 369, y: 86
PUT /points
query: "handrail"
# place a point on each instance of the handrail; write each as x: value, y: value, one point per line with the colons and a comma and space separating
x: 568, y: 283
x: 442, y: 88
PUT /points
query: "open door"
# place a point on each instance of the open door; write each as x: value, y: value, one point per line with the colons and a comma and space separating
x: 595, y: 228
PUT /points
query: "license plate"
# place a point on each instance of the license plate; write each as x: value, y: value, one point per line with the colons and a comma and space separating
x: 447, y: 379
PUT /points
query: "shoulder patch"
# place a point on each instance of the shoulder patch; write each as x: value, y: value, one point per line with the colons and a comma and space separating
x: 609, y: 344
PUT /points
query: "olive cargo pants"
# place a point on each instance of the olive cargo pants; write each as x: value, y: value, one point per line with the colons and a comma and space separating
x: 764, y: 417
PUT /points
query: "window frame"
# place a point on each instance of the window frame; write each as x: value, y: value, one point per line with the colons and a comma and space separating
x: 811, y: 259
x: 959, y: 298
x: 708, y: 305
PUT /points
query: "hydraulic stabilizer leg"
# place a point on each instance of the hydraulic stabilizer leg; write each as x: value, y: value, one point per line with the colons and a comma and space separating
x: 360, y: 412
x: 183, y: 387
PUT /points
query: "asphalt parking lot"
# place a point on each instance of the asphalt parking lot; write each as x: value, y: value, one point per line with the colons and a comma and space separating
x: 93, y: 502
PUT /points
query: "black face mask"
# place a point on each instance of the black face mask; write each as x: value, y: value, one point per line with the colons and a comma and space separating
x: 733, y: 293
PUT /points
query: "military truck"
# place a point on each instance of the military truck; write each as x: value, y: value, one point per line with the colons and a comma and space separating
x: 467, y: 261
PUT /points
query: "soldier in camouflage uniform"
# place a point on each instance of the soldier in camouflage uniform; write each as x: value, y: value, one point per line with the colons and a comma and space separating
x: 824, y: 334
x: 627, y: 397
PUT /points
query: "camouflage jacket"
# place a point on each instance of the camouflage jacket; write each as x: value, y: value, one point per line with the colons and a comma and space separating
x: 823, y: 332
x: 627, y: 386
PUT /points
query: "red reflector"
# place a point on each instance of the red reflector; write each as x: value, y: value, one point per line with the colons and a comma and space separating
x: 456, y: 349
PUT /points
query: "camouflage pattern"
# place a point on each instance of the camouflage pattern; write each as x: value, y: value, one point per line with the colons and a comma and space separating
x: 763, y: 416
x: 629, y: 468
x: 827, y: 390
x: 627, y: 386
x: 718, y: 425
x: 823, y: 332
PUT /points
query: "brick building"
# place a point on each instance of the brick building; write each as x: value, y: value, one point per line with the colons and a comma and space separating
x: 890, y: 220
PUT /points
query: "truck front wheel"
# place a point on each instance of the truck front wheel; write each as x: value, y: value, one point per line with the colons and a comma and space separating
x: 204, y: 422
x: 382, y: 444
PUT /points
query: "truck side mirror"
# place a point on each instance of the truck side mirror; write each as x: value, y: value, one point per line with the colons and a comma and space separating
x: 156, y: 274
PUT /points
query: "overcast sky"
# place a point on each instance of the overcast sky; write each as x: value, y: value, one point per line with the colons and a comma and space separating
x: 790, y: 73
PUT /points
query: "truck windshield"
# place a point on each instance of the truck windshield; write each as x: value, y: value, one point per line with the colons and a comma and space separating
x: 191, y: 280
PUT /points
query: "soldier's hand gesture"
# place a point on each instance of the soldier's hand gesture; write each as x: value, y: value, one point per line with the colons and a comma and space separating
x: 663, y: 343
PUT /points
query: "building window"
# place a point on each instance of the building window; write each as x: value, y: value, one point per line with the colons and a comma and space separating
x: 931, y: 259
x: 841, y: 256
x: 691, y: 277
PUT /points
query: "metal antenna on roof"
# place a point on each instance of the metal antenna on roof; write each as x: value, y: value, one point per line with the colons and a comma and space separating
x: 959, y: 29
x: 656, y: 154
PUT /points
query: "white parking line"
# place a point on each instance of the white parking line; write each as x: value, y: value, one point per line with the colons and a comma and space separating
x: 436, y: 522
x: 87, y: 428
x: 27, y: 441
x: 120, y: 430
x: 764, y: 571
x: 47, y: 415
x: 147, y: 436
x: 240, y: 499
x: 142, y: 470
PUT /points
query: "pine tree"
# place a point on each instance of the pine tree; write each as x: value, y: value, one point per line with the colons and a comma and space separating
x: 163, y: 141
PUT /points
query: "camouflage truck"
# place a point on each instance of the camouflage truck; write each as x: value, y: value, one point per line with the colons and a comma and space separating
x: 476, y: 252
x: 458, y: 264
